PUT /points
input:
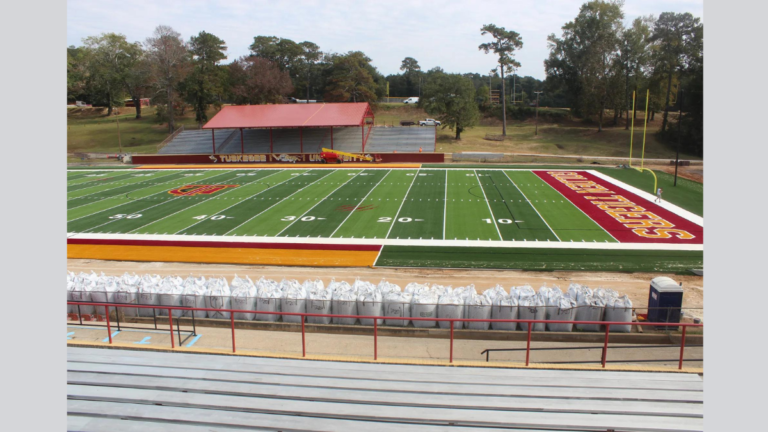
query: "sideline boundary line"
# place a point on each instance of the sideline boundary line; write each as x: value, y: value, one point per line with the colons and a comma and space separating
x: 685, y: 214
x: 160, y: 238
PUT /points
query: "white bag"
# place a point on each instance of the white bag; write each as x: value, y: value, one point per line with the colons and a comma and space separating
x: 397, y: 304
x: 589, y: 308
x: 242, y: 296
x: 478, y: 307
x: 319, y: 300
x: 218, y: 297
x: 619, y: 310
x: 561, y: 308
x: 81, y: 292
x: 128, y: 293
x: 104, y: 292
x: 193, y: 296
x: 344, y: 302
x: 148, y: 294
x: 532, y: 308
x: 294, y: 299
x: 504, y: 307
x: 369, y: 303
x: 169, y: 292
x: 450, y: 306
x: 424, y: 305
x: 269, y: 296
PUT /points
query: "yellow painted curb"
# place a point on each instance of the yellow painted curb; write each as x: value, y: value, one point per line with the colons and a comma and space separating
x: 213, y: 255
x: 401, y: 361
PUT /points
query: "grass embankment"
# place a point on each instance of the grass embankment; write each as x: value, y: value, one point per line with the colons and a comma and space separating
x: 90, y: 130
x: 567, y: 137
x: 541, y: 259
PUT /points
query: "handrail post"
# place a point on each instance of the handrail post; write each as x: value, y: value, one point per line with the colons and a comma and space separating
x: 682, y: 347
x: 109, y: 328
x: 605, y: 345
x: 303, y: 341
x: 170, y: 321
x: 232, y: 320
x: 375, y: 339
x: 451, y: 322
x: 528, y: 346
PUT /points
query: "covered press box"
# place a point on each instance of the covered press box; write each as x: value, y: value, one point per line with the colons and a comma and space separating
x: 665, y: 300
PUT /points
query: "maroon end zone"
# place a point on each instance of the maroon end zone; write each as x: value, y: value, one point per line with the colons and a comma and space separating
x: 624, y: 215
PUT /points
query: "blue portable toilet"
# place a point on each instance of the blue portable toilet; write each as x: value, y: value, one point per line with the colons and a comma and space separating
x: 665, y: 301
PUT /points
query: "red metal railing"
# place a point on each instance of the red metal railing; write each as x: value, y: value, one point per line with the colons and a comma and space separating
x: 375, y: 319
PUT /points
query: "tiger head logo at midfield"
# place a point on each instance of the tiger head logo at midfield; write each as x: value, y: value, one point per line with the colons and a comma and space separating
x: 190, y: 190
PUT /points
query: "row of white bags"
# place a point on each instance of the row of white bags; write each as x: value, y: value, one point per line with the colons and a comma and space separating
x: 394, y: 305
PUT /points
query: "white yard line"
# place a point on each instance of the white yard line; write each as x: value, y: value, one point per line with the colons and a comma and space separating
x: 532, y: 206
x: 145, y: 209
x: 118, y: 205
x: 445, y: 203
x: 318, y: 203
x: 493, y: 217
x: 577, y: 208
x: 358, y: 204
x: 393, y: 242
x: 278, y: 202
x: 205, y: 201
x: 685, y: 214
x: 121, y: 185
x: 394, y: 220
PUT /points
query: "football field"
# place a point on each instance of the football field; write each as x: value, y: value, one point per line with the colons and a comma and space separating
x: 376, y: 206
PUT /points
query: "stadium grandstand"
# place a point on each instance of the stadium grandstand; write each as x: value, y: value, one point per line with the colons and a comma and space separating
x: 299, y: 128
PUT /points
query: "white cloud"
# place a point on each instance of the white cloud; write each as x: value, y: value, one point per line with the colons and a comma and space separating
x: 444, y: 34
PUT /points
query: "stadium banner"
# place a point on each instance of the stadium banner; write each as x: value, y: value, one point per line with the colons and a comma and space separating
x: 626, y: 216
x: 287, y: 158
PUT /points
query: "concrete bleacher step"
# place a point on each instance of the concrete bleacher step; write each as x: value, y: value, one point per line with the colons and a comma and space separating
x: 147, y: 389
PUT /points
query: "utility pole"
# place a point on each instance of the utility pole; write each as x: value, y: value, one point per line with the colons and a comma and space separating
x: 679, y: 133
x: 119, y: 143
x: 537, y: 111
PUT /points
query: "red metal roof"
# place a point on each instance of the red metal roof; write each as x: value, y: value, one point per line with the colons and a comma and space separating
x: 290, y: 116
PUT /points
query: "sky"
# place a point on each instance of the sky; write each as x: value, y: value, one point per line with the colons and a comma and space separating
x: 442, y: 33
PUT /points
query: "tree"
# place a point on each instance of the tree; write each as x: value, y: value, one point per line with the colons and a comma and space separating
x: 680, y: 44
x: 169, y: 62
x: 108, y: 58
x: 583, y: 59
x: 412, y: 73
x: 634, y: 55
x: 451, y: 99
x: 136, y: 77
x: 256, y: 80
x: 310, y: 56
x: 504, y: 45
x: 282, y: 52
x: 350, y: 79
x: 204, y: 82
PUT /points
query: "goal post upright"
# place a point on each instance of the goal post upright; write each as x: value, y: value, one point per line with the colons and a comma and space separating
x: 632, y: 135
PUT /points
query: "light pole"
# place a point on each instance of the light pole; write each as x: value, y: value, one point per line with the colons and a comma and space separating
x: 679, y: 134
x: 537, y: 111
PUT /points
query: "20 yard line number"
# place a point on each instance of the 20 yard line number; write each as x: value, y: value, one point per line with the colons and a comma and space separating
x: 126, y: 216
x: 402, y: 219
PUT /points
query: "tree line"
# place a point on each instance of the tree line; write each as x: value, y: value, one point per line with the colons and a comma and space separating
x: 593, y: 68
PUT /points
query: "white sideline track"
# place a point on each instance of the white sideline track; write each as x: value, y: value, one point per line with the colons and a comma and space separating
x: 132, y: 390
x: 390, y: 242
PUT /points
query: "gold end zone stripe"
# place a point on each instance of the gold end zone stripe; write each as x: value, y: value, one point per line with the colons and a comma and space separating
x: 228, y: 255
x: 283, y: 166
